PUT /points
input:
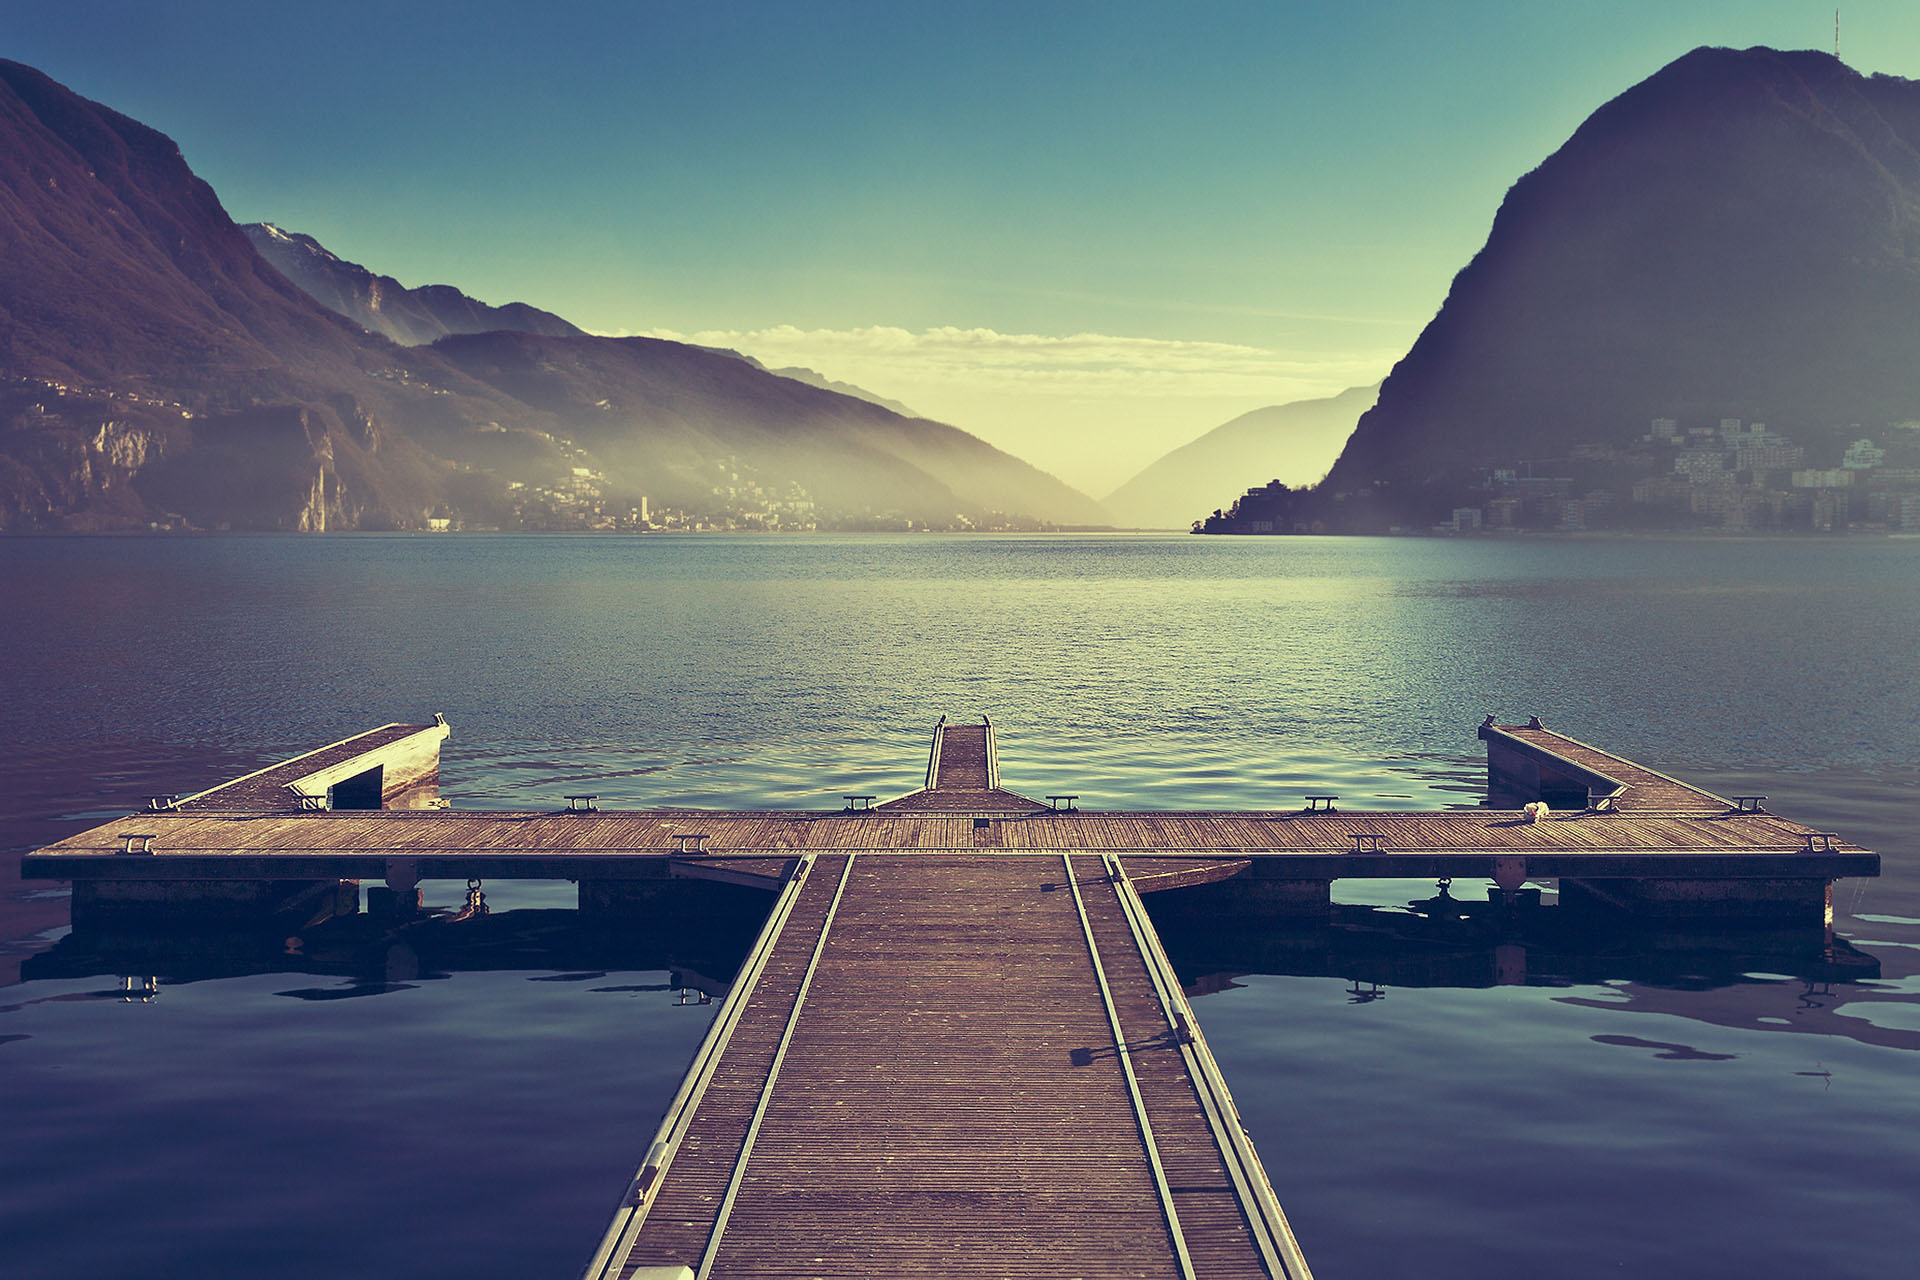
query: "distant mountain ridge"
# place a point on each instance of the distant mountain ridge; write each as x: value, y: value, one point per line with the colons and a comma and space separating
x: 426, y: 313
x: 702, y: 406
x: 381, y: 304
x: 813, y: 378
x: 155, y: 369
x: 1294, y: 443
x: 1736, y: 236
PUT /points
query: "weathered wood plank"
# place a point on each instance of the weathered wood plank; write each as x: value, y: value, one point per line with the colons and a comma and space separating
x: 952, y: 1090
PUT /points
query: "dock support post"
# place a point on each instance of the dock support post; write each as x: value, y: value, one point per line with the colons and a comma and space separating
x: 399, y: 898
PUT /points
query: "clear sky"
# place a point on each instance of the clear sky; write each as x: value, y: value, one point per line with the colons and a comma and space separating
x: 1086, y: 232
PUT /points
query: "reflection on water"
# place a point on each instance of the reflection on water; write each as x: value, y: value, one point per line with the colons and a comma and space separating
x: 1380, y: 947
x: 1438, y: 1093
x: 1365, y: 1055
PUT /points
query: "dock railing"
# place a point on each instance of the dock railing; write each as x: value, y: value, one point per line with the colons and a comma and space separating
x: 933, y: 753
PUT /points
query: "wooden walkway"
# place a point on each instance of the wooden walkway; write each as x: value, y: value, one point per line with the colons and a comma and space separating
x: 1638, y: 787
x: 943, y: 1066
x: 295, y: 784
x: 454, y: 845
x: 253, y: 828
x: 957, y: 1047
x: 963, y: 776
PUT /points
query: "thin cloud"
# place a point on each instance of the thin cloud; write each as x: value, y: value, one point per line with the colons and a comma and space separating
x: 1078, y: 365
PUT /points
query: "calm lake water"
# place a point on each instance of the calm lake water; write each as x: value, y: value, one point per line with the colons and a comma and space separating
x: 1692, y: 1106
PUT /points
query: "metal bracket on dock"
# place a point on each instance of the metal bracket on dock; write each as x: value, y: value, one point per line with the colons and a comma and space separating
x: 1749, y: 804
x: 689, y: 842
x: 859, y: 804
x: 1365, y: 842
x: 1821, y: 841
x: 1320, y: 804
x: 129, y: 840
x: 160, y: 804
x: 1054, y: 803
x: 582, y: 804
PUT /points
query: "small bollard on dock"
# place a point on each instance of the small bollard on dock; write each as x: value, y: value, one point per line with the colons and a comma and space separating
x: 131, y: 842
x: 582, y: 804
x: 1365, y: 842
x: 859, y: 804
x: 690, y: 842
x: 1749, y: 804
x: 1062, y: 804
x: 1320, y: 804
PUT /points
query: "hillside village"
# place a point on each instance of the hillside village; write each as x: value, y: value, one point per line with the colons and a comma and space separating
x: 1731, y: 477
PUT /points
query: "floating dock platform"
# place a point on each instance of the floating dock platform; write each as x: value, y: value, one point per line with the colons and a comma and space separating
x: 957, y: 1046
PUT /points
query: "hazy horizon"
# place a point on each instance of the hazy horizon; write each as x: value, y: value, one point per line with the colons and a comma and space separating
x: 1087, y: 236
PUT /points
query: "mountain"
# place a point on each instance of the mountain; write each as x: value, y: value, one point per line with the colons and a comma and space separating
x: 139, y: 328
x: 155, y: 369
x: 821, y: 380
x: 1736, y: 236
x: 814, y: 378
x: 1294, y: 443
x: 674, y: 415
x: 381, y: 304
x: 415, y: 317
x: 118, y: 262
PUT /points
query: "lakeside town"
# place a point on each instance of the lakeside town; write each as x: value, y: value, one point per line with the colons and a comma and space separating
x: 1730, y: 477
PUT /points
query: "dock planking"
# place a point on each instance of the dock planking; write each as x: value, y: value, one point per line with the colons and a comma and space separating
x: 981, y: 1075
x: 1639, y: 788
x: 963, y: 776
x: 957, y: 1046
x: 545, y: 845
x: 292, y: 784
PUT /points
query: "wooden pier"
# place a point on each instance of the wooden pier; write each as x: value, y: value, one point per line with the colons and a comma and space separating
x: 957, y: 1047
x: 938, y: 1066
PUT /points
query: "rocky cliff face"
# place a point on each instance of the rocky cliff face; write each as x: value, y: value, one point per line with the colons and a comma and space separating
x: 1737, y: 236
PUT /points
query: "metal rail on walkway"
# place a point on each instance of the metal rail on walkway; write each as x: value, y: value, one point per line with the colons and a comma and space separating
x: 773, y: 1075
x: 1125, y: 1056
x: 933, y: 753
x: 1271, y: 1232
x: 609, y: 1259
